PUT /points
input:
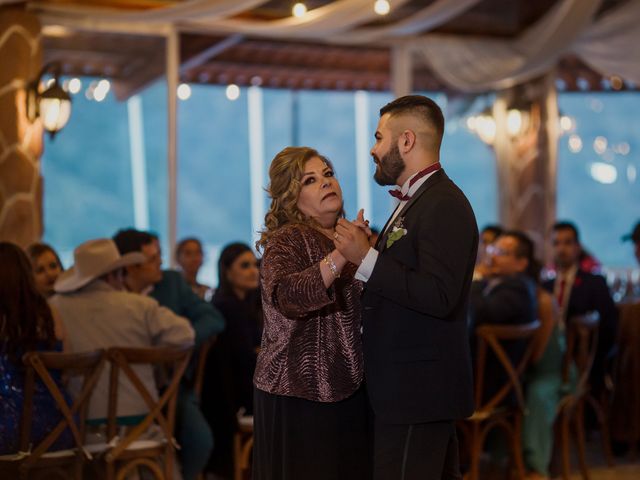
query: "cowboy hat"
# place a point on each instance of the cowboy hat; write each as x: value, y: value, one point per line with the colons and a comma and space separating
x: 93, y: 259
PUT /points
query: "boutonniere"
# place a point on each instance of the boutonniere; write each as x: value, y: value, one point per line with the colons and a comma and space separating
x: 397, y: 232
x: 577, y: 282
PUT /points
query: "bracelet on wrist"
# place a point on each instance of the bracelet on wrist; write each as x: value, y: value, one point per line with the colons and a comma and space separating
x: 332, y: 266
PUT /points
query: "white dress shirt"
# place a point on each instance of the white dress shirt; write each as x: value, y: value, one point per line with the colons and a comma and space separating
x: 369, y: 262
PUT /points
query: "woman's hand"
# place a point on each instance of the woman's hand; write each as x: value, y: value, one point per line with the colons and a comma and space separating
x: 360, y: 222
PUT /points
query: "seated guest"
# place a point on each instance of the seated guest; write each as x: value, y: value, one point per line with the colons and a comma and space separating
x: 98, y: 313
x: 172, y: 291
x: 46, y: 267
x: 634, y: 236
x: 189, y: 256
x: 26, y: 323
x: 505, y: 295
x: 232, y: 359
x: 543, y: 381
x: 488, y: 235
x: 578, y: 292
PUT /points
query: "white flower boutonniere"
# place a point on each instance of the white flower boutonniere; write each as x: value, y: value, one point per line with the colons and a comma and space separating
x: 397, y: 232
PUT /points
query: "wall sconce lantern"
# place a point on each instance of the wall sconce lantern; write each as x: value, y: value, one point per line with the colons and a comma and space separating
x: 53, y: 105
x: 486, y: 128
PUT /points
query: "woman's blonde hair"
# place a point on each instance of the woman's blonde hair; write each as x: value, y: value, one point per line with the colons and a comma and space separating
x: 285, y: 173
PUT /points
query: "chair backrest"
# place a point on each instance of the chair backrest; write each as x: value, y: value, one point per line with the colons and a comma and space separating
x: 582, y: 344
x: 38, y: 365
x: 491, y: 338
x: 172, y: 359
x: 203, y: 353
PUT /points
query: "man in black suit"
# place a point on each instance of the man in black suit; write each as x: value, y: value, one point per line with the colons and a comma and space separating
x: 416, y: 349
x: 505, y: 295
x: 578, y: 292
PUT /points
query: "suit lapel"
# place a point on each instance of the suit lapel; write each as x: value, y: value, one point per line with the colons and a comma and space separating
x: 432, y: 180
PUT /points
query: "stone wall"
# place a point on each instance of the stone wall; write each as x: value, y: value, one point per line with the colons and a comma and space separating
x: 20, y: 141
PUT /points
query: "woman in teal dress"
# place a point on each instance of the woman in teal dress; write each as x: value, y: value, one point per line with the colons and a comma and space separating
x: 544, y: 389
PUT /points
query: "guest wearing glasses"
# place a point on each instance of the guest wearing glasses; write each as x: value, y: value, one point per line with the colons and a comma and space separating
x: 506, y: 295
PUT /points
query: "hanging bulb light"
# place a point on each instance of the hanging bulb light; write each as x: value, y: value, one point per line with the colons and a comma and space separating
x: 382, y: 7
x: 299, y: 10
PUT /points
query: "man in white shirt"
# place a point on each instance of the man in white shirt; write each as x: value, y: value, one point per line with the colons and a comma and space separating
x: 97, y: 313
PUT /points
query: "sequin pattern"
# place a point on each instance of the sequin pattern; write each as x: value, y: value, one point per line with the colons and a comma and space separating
x: 45, y: 413
x: 311, y: 346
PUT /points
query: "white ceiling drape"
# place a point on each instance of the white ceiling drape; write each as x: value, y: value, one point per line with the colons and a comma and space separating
x: 469, y: 64
x: 610, y: 46
x: 184, y: 11
x: 436, y: 14
x: 479, y: 64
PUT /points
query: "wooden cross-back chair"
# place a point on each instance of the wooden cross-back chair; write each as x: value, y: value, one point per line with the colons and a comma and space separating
x: 493, y: 413
x: 128, y: 453
x: 582, y: 345
x: 38, y: 462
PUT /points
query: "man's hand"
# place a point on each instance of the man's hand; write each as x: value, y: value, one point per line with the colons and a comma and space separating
x: 352, y: 240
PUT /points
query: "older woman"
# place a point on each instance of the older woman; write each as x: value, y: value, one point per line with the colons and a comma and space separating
x: 309, y: 407
x: 47, y: 267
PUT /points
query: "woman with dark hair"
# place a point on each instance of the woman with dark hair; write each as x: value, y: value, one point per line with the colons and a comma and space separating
x: 189, y: 255
x: 46, y: 265
x: 232, y: 360
x: 26, y: 323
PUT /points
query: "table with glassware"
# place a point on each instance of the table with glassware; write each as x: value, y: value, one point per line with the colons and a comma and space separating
x: 625, y: 403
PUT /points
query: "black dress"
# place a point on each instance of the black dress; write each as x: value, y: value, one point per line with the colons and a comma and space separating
x: 229, y: 373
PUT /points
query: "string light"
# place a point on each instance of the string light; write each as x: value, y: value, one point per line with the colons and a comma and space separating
x: 575, y: 143
x: 101, y: 90
x: 75, y: 85
x: 233, y: 92
x: 184, y: 91
x: 299, y: 10
x: 600, y: 145
x: 382, y: 7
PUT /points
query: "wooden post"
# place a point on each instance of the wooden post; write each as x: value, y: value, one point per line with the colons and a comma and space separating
x: 527, y: 159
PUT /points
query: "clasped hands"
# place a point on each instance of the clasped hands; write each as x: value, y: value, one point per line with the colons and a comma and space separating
x: 352, y: 238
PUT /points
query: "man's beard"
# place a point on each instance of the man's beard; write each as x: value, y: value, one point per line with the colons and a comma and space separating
x: 390, y: 167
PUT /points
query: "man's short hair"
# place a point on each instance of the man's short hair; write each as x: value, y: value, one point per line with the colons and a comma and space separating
x: 494, y: 229
x: 525, y: 248
x: 131, y: 240
x: 419, y: 106
x: 567, y: 226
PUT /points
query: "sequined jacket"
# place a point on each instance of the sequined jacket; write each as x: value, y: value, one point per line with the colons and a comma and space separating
x: 311, y: 346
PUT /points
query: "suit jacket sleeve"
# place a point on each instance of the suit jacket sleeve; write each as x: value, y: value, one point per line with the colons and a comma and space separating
x: 508, y: 301
x: 445, y: 238
x: 291, y: 288
x: 608, y: 313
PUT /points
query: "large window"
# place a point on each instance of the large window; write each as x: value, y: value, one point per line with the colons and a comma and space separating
x: 598, y: 165
x: 102, y: 175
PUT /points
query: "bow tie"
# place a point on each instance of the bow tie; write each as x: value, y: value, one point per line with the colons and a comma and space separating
x: 397, y: 193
